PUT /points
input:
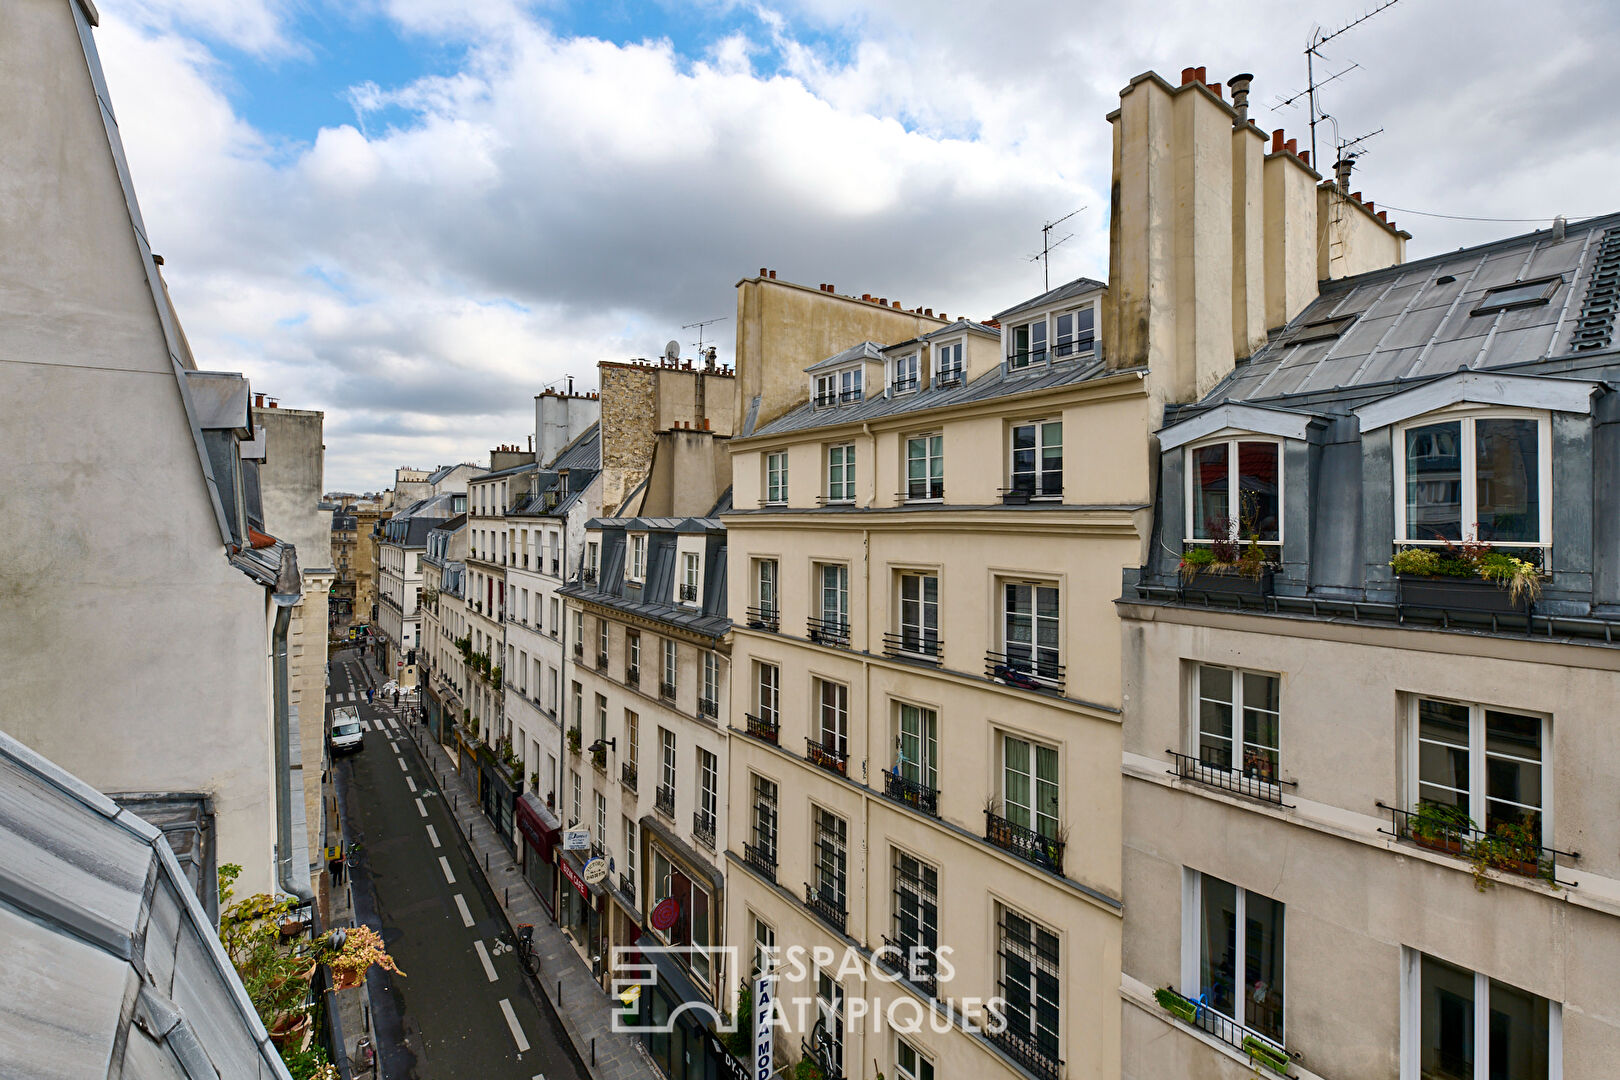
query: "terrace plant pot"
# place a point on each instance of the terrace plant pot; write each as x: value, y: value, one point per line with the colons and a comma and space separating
x: 1473, y: 595
x: 1228, y: 583
x: 1447, y: 845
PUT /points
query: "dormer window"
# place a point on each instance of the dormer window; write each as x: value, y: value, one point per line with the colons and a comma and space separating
x: 907, y: 374
x: 1075, y: 333
x: 948, y: 364
x: 839, y: 388
x: 1250, y: 467
x: 1029, y: 344
x: 1059, y: 335
x: 638, y: 558
x: 1484, y: 478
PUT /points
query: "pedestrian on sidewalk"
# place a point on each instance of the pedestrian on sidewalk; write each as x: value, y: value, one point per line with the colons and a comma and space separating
x: 396, y: 699
x: 369, y: 693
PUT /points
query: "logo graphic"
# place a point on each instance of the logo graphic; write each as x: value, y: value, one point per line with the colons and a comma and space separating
x: 666, y: 913
x: 635, y: 968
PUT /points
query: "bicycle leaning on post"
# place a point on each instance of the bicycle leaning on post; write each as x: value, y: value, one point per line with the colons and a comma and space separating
x: 525, y: 948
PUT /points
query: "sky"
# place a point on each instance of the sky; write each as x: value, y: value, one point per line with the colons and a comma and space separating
x: 416, y: 214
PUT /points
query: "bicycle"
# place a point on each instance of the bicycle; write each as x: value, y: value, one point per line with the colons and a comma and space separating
x: 351, y: 857
x: 525, y: 949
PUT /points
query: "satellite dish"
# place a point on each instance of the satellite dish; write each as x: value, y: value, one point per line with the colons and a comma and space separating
x: 672, y: 351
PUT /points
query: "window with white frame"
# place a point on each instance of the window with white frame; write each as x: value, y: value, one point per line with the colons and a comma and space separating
x: 556, y: 618
x: 1464, y: 1025
x: 830, y: 1012
x: 839, y: 387
x: 1480, y: 762
x: 833, y: 579
x: 1031, y: 628
x: 917, y: 745
x: 764, y: 945
x: 831, y: 854
x: 579, y: 627
x: 907, y: 373
x: 689, y: 576
x: 632, y: 737
x: 1073, y: 332
x: 593, y: 558
x: 1028, y: 343
x: 668, y: 739
x: 925, y: 467
x: 768, y: 692
x: 632, y: 651
x: 708, y: 776
x: 579, y: 788
x: 1239, y: 720
x: 638, y: 558
x: 1028, y: 958
x: 630, y: 846
x: 909, y: 1062
x: 603, y: 635
x: 709, y: 701
x: 776, y: 478
x: 919, y: 614
x: 833, y: 716
x: 765, y: 587
x: 671, y: 666
x: 1037, y: 459
x: 1250, y: 467
x: 1486, y: 478
x: 601, y: 819
x: 841, y: 473
x: 1029, y: 785
x: 1232, y: 953
x: 948, y: 363
x: 601, y: 717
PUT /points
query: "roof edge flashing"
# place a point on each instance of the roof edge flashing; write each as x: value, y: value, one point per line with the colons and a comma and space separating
x: 1480, y: 388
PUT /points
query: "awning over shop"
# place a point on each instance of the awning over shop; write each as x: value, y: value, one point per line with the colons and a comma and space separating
x: 538, y: 824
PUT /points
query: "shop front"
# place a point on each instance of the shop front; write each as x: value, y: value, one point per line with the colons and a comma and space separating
x: 687, y: 1047
x: 541, y: 832
x: 495, y: 792
x: 581, y: 913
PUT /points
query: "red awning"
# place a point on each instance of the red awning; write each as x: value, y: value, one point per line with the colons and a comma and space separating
x: 538, y: 825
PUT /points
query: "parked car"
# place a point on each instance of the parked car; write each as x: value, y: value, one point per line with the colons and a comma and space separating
x: 346, y: 735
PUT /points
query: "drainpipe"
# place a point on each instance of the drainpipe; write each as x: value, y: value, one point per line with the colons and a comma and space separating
x: 288, y: 593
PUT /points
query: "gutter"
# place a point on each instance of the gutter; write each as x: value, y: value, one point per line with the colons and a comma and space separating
x: 286, y: 595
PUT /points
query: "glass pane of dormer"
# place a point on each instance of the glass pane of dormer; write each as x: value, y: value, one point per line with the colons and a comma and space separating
x: 1434, y: 481
x: 1507, y: 471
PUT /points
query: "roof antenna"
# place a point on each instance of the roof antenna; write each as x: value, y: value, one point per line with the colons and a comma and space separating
x: 699, y: 327
x: 1318, y: 39
x: 1045, y: 255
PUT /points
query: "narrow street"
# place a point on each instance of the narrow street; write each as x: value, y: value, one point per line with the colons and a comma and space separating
x: 464, y: 1008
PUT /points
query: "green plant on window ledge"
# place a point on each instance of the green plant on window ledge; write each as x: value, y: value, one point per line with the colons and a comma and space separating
x: 1262, y: 1053
x: 1472, y: 559
x: 1236, y: 551
x: 1512, y: 847
x: 1176, y: 1005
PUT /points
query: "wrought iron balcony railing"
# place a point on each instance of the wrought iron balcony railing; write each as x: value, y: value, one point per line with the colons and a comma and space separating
x: 627, y: 886
x: 764, y: 618
x: 703, y: 826
x: 601, y: 661
x: 587, y: 575
x: 664, y: 800
x: 689, y: 593
x: 579, y: 650
x: 666, y: 689
x: 914, y: 644
x: 1026, y: 843
x: 1511, y: 849
x: 920, y: 797
x: 829, y: 632
x: 709, y: 707
x: 1024, y: 671
x: 828, y: 910
x: 1257, y: 780
x: 915, y: 961
x: 826, y: 757
x: 1029, y: 1052
x: 760, y: 859
x: 632, y: 675
x: 627, y: 775
x: 768, y: 729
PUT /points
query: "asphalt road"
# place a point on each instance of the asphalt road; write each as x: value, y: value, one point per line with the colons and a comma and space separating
x: 464, y: 1007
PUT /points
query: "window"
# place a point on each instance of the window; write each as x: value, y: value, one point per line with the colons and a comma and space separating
x: 632, y: 737
x: 948, y: 363
x: 907, y: 371
x: 1028, y: 958
x: 692, y: 925
x: 632, y: 650
x: 579, y: 628
x: 768, y: 693
x: 764, y: 945
x: 601, y: 717
x: 551, y: 539
x: 1029, y: 344
x: 765, y: 586
x: 830, y: 1012
x: 556, y: 618
x: 925, y: 467
x: 630, y: 854
x: 579, y: 787
x: 668, y: 738
x: 708, y: 768
x: 1251, y: 468
x: 1075, y: 333
x: 839, y: 387
x: 833, y: 715
x: 593, y: 557
x: 1037, y: 458
x: 765, y: 818
x: 1476, y: 478
x: 835, y: 596
x: 579, y: 707
x: 917, y: 745
x: 1469, y: 1026
x: 911, y: 1065
x: 1031, y: 628
x: 1519, y: 294
x: 671, y: 655
x: 831, y: 846
x: 841, y: 473
x: 1249, y: 745
x: 601, y: 819
x: 776, y: 478
x: 919, y: 614
x: 1029, y: 785
x: 689, y: 576
x: 710, y: 701
x: 602, y: 636
x: 1485, y: 762
x: 1234, y: 954
x: 638, y: 558
x: 916, y: 917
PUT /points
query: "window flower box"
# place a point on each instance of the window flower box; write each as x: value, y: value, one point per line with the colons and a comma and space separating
x: 1472, y: 595
x: 1176, y: 1005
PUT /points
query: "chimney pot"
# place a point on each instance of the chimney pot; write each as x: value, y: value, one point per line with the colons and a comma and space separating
x: 883, y: 302
x: 705, y: 423
x: 1200, y: 76
x: 1215, y: 88
x: 762, y: 272
x: 1240, y: 96
x: 1292, y: 146
x: 1383, y: 215
x: 1188, y: 75
x: 1305, y: 156
x: 773, y: 275
x: 1356, y: 195
x: 1369, y: 207
x: 866, y: 296
x: 1276, y: 140
x: 929, y: 312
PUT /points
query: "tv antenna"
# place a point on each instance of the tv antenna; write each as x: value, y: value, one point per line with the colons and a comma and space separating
x: 1044, y: 256
x: 698, y: 326
x: 1318, y: 39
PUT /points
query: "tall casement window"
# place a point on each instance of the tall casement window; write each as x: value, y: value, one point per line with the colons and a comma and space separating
x: 601, y: 819
x: 830, y: 1012
x: 833, y: 579
x: 603, y: 635
x: 916, y: 917
x: 593, y: 558
x: 919, y: 614
x: 765, y: 589
x: 1028, y: 957
x: 638, y: 558
x: 708, y: 785
x: 579, y: 629
x: 671, y: 656
x: 630, y: 845
x: 601, y: 716
x: 579, y: 706
x: 776, y: 478
x: 948, y: 363
x: 917, y: 745
x: 1074, y: 332
x: 579, y: 789
x: 768, y: 693
x: 840, y: 387
x: 1037, y: 459
x: 833, y: 717
x: 709, y: 699
x: 907, y: 374
x: 632, y: 738
x: 689, y: 576
x: 1484, y: 764
x: 1239, y: 721
x: 1469, y: 1026
x: 831, y: 870
x: 1250, y: 467
x: 1233, y: 953
x: 841, y: 473
x: 556, y: 619
x: 632, y: 651
x: 1476, y: 478
x: 1028, y: 344
x: 1031, y: 628
x: 909, y: 1063
x: 1029, y: 785
x: 765, y: 819
x: 764, y: 945
x: 667, y: 738
x: 925, y: 467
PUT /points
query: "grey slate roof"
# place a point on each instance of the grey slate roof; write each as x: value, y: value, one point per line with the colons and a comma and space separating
x: 1414, y: 322
x: 654, y: 599
x: 960, y: 325
x: 866, y: 350
x: 585, y: 452
x: 410, y: 527
x: 1077, y: 287
x: 110, y: 966
x: 992, y: 384
x: 514, y: 470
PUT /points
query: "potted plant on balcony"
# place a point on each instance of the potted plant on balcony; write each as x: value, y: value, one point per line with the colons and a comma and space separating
x: 998, y: 830
x: 1176, y: 1005
x: 1263, y: 1053
x: 1469, y: 576
x: 573, y: 740
x: 1440, y: 827
x: 1513, y: 847
x: 1229, y: 564
x: 361, y: 947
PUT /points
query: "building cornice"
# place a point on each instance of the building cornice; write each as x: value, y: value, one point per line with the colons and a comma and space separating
x: 1114, y: 521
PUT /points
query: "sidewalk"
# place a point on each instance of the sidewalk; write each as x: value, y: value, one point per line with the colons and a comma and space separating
x: 582, y: 1005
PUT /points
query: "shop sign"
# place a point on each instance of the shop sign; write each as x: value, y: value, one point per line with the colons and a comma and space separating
x: 762, y: 1063
x: 665, y: 913
x: 572, y: 875
x: 577, y: 840
x: 596, y: 871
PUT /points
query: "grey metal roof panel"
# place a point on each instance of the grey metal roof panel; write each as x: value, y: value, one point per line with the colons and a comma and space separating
x: 513, y: 470
x: 1069, y: 289
x: 960, y: 325
x: 866, y: 350
x: 584, y: 452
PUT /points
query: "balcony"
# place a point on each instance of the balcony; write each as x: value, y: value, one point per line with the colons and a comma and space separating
x: 834, y: 632
x: 915, y: 962
x: 1027, y: 844
x: 827, y: 910
x: 627, y: 887
x: 601, y: 661
x: 579, y: 650
x: 703, y: 826
x: 627, y: 775
x: 826, y: 757
x: 951, y: 376
x: 664, y: 801
x: 1261, y: 1049
x: 709, y: 707
x: 599, y: 758
x: 824, y: 401
x: 666, y: 690
x: 1022, y: 493
x: 764, y: 618
x: 914, y: 644
x: 919, y: 797
x: 1024, y: 672
x: 768, y: 730
x: 761, y: 860
x: 1026, y: 1049
x: 632, y: 675
x: 905, y: 384
x: 689, y: 594
x: 587, y: 575
x: 1253, y: 781
x: 1510, y: 849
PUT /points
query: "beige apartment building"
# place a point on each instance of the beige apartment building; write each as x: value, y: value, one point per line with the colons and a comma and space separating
x: 1368, y: 793
x: 927, y: 692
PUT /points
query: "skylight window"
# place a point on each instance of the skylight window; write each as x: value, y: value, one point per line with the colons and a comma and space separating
x: 1519, y: 294
x: 1322, y: 329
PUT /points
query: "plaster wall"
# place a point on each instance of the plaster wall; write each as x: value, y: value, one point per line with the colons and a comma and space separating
x: 1290, y: 237
x: 1352, y: 239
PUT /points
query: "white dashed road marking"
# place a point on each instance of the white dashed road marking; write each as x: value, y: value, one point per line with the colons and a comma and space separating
x: 444, y: 864
x: 433, y: 836
x: 511, y: 1022
x: 461, y: 906
x: 483, y: 958
x: 401, y: 764
x: 410, y: 783
x: 420, y: 809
